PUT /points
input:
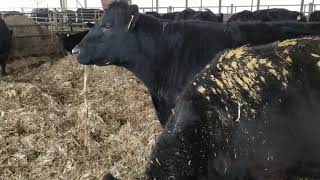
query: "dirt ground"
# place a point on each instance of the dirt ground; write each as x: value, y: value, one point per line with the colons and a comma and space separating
x: 48, y: 132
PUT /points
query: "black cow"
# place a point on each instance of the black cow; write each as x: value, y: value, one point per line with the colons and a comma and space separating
x: 279, y: 15
x: 314, y: 16
x: 169, y: 16
x: 207, y: 15
x: 165, y: 56
x: 5, y: 44
x: 69, y: 40
x: 185, y: 14
x: 252, y: 113
x: 189, y: 14
x: 154, y: 14
x: 268, y: 15
x: 166, y: 16
x: 41, y: 14
x: 242, y: 16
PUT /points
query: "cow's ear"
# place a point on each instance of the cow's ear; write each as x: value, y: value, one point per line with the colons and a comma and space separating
x: 133, y: 9
x: 134, y: 16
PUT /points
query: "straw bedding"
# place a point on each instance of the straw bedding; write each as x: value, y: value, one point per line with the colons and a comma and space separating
x: 43, y: 122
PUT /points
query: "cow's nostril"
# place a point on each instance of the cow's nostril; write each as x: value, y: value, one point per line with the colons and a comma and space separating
x: 75, y: 50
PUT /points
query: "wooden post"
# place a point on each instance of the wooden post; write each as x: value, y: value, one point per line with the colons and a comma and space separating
x: 302, y: 6
x: 258, y: 5
x: 231, y: 9
x: 187, y: 4
x: 61, y: 5
x: 157, y: 5
x: 251, y: 5
x: 55, y: 19
x: 200, y: 5
x: 152, y: 5
x: 310, y: 9
x: 85, y: 4
x: 220, y: 6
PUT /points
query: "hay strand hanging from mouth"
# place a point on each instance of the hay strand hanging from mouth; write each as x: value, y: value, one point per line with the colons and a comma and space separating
x: 85, y: 120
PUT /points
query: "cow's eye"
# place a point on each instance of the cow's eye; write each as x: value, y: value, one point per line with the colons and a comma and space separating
x: 107, y: 27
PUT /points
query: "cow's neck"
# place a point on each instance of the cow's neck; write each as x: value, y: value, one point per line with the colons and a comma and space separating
x: 171, y: 56
x: 153, y: 67
x: 156, y: 78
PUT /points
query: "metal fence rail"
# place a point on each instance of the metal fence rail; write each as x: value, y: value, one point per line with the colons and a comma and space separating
x: 224, y: 9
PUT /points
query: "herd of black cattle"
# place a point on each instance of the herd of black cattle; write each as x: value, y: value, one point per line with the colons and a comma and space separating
x: 248, y: 113
x: 69, y: 40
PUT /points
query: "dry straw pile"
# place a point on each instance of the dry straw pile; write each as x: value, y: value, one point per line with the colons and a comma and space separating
x: 43, y: 115
x: 30, y: 39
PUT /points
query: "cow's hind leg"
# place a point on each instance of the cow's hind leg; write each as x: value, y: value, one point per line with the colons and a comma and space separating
x: 3, y: 61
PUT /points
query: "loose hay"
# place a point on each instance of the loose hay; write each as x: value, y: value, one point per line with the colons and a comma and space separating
x: 41, y: 133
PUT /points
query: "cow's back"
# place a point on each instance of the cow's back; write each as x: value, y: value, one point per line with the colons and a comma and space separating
x: 242, y: 16
x: 278, y: 15
x: 251, y: 109
x: 315, y: 16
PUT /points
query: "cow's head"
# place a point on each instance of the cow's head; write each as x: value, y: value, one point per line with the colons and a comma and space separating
x: 112, y: 39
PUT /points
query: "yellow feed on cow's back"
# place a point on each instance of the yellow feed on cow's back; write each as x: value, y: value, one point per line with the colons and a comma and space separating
x: 263, y: 61
x: 290, y: 42
x: 242, y: 73
x: 201, y: 89
x: 219, y: 83
x: 237, y: 53
x: 252, y: 63
x: 289, y: 60
x: 234, y: 65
